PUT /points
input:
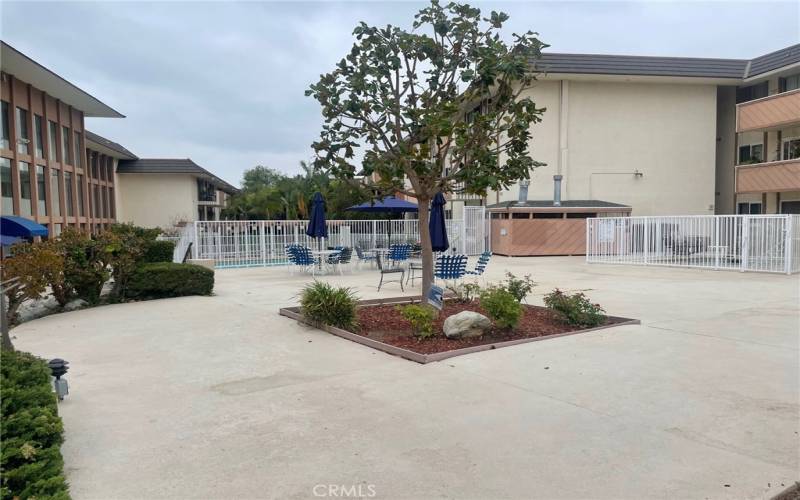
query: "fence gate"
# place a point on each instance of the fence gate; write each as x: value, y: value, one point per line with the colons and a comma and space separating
x: 475, y: 230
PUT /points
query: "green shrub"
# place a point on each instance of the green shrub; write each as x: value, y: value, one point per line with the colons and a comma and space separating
x: 465, y: 292
x: 85, y: 261
x: 31, y: 435
x: 324, y: 304
x: 167, y: 279
x: 575, y: 309
x: 421, y: 318
x: 158, y: 251
x: 125, y: 245
x: 518, y: 287
x: 501, y: 306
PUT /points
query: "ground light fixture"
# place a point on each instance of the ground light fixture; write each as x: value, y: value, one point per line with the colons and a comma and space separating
x: 59, y: 368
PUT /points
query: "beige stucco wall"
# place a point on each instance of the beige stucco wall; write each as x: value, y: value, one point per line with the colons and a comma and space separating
x: 156, y: 200
x: 601, y: 132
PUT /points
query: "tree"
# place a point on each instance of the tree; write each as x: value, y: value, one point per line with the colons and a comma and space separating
x: 439, y: 106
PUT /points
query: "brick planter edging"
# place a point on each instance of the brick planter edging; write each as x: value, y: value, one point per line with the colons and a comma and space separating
x: 294, y: 313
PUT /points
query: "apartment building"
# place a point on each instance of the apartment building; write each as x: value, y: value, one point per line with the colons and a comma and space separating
x: 57, y: 173
x: 665, y: 135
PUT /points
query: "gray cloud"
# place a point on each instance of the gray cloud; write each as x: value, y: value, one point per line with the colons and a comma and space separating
x: 223, y: 83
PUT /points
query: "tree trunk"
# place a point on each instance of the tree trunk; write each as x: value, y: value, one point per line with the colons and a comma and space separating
x: 425, y: 242
x: 6, y: 343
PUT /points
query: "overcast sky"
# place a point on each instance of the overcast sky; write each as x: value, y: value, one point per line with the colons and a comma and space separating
x: 223, y: 83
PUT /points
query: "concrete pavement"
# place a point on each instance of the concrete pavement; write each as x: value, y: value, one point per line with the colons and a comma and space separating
x: 219, y: 397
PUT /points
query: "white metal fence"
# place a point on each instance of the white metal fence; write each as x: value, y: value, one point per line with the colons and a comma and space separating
x: 761, y: 243
x: 263, y: 242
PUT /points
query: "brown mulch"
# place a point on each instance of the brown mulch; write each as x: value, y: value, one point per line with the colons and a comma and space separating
x: 385, y: 324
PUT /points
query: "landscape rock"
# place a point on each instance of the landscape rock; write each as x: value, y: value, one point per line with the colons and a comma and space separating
x: 466, y: 324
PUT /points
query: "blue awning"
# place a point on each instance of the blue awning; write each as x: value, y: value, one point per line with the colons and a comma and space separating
x: 7, y: 241
x: 388, y: 204
x: 11, y: 225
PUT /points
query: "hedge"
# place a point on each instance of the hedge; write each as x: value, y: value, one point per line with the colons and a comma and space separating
x: 168, y: 279
x: 31, y: 434
x: 158, y: 251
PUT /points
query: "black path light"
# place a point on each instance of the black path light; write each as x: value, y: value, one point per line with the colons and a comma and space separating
x: 59, y: 368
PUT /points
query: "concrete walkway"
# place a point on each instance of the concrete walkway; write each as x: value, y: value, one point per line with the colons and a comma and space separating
x: 219, y: 397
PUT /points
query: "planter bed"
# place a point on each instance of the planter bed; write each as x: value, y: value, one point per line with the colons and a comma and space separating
x: 381, y: 327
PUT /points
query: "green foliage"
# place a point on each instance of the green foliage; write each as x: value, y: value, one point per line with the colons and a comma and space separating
x: 31, y: 437
x: 168, y: 279
x: 518, y: 287
x: 575, y: 309
x: 465, y: 292
x: 421, y: 317
x: 158, y: 251
x: 325, y: 304
x: 501, y: 306
x: 84, y: 264
x: 125, y: 245
x: 25, y: 267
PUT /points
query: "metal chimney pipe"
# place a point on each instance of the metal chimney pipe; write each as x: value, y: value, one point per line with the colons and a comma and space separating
x: 557, y: 190
x: 523, y: 191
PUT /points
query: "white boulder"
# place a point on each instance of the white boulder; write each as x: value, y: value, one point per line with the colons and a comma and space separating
x: 466, y: 324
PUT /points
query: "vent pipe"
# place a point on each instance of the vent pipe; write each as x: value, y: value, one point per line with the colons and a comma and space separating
x: 523, y: 191
x: 557, y: 190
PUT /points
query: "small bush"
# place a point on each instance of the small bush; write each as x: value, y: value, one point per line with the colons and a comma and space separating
x: 421, y: 318
x: 158, y: 251
x: 167, y: 279
x: 465, y: 292
x: 125, y: 246
x: 31, y: 436
x: 518, y: 287
x: 85, y: 261
x: 501, y: 306
x: 324, y: 304
x: 575, y: 309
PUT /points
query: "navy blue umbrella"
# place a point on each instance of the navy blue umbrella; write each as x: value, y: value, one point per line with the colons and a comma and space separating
x: 316, y: 225
x: 436, y: 225
x: 388, y: 204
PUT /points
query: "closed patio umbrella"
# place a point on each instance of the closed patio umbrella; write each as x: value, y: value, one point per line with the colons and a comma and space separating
x: 436, y: 226
x: 316, y: 225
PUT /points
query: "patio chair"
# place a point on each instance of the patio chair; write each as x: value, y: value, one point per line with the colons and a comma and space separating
x: 341, y: 257
x: 384, y: 270
x: 480, y: 266
x: 363, y: 256
x: 301, y: 256
x: 399, y: 253
x: 450, y: 267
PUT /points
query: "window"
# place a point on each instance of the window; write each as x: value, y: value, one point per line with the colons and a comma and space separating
x: 791, y: 82
x: 548, y: 215
x: 81, y: 210
x: 110, y: 169
x: 70, y: 194
x: 744, y: 94
x: 580, y: 215
x: 25, y: 193
x: 790, y: 207
x: 751, y: 153
x: 205, y: 191
x: 66, y: 157
x: 57, y: 228
x: 41, y: 195
x: 111, y: 203
x: 38, y: 135
x: 747, y: 208
x: 5, y: 136
x: 94, y: 164
x: 791, y: 148
x: 78, y: 150
x: 520, y: 215
x: 96, y: 208
x: 7, y: 186
x: 55, y: 192
x: 52, y: 130
x: 23, y: 134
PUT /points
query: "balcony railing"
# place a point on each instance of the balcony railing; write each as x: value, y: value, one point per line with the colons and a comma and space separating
x: 770, y: 177
x: 459, y: 194
x: 778, y: 110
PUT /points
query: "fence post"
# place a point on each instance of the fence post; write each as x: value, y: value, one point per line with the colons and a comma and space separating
x: 195, y: 250
x: 263, y: 242
x: 374, y: 233
x: 716, y: 243
x: 745, y: 243
x: 787, y: 245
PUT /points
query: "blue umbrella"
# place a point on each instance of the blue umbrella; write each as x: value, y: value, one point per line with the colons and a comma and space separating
x: 388, y: 204
x: 12, y: 225
x: 316, y: 225
x: 436, y: 225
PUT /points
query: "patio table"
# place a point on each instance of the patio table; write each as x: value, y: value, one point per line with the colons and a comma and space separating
x: 321, y: 254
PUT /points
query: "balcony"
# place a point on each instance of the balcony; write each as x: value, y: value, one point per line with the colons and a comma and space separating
x: 770, y: 177
x: 778, y: 110
x: 458, y: 194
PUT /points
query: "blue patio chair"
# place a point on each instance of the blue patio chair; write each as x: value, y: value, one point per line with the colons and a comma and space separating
x: 399, y: 253
x: 301, y: 257
x: 340, y: 258
x: 480, y: 266
x: 450, y: 267
x: 363, y: 256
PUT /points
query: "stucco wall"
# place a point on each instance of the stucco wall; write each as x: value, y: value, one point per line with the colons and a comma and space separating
x: 156, y: 200
x: 608, y: 130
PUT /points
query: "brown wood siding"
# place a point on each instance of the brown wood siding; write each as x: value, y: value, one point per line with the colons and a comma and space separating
x: 769, y: 112
x: 768, y: 177
x: 539, y: 237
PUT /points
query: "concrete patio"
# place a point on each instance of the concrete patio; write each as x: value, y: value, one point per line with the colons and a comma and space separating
x: 219, y: 397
